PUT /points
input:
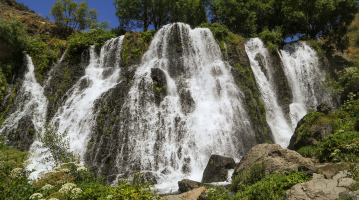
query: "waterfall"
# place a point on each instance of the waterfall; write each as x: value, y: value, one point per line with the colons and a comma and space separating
x: 257, y: 52
x: 200, y: 115
x: 77, y: 115
x: 302, y: 68
x: 31, y: 101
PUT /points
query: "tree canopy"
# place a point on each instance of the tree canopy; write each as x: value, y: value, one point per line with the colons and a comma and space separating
x: 74, y: 14
x: 134, y: 14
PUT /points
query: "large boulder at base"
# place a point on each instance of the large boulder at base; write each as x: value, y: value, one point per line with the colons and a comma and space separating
x: 187, y: 185
x: 319, y: 188
x: 275, y: 157
x: 145, y: 177
x: 217, y: 169
x: 351, y: 195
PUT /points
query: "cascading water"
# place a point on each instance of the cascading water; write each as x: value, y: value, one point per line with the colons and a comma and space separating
x: 305, y: 77
x: 77, y: 115
x: 257, y: 52
x: 31, y: 102
x: 201, y: 114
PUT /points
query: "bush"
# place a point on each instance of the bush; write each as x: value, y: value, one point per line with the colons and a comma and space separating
x: 80, y: 41
x: 44, y: 51
x: 14, y: 34
x: 272, y: 39
x: 248, y: 177
x: 272, y: 186
x: 222, y: 34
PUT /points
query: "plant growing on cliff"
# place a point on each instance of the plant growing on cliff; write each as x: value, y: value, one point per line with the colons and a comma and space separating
x: 272, y: 39
x: 14, y: 34
x: 78, y: 42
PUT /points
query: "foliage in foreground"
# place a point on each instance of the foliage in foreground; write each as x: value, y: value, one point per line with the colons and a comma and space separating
x: 65, y: 181
x: 343, y: 144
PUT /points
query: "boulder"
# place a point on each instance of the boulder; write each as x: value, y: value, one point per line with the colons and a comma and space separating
x: 318, y: 188
x: 275, y: 157
x: 145, y: 177
x: 307, y: 169
x: 197, y: 194
x: 351, y: 195
x: 324, y: 108
x: 217, y: 169
x: 187, y: 185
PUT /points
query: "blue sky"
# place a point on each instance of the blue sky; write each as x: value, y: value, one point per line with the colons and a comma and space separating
x: 107, y: 10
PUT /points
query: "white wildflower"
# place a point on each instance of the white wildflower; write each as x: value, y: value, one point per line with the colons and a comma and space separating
x: 53, y: 199
x: 78, y: 165
x: 56, y: 168
x: 348, y: 147
x: 47, y: 187
x: 336, y: 151
x: 27, y: 162
x: 16, y: 173
x: 76, y: 193
x: 65, y: 170
x: 64, y: 164
x: 109, y: 197
x: 66, y: 188
x: 36, y: 195
x: 53, y: 172
x: 82, y: 169
x: 72, y: 163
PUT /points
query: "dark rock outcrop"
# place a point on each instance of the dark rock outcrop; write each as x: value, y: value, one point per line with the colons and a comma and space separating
x: 145, y: 177
x: 307, y: 169
x: 217, y: 169
x: 159, y: 84
x: 324, y: 108
x: 275, y: 157
x: 187, y: 185
x: 317, y: 131
x: 23, y: 136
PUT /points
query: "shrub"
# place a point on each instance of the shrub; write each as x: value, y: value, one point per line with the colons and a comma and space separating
x: 80, y: 41
x: 248, y: 177
x: 272, y: 186
x: 14, y: 34
x: 44, y: 51
x: 272, y: 39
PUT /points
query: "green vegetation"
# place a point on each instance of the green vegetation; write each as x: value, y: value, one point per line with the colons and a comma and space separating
x: 327, y: 19
x: 14, y: 34
x: 78, y: 42
x: 253, y: 100
x: 340, y: 146
x: 44, y: 51
x: 272, y: 39
x: 73, y: 14
x: 135, y: 44
x: 158, y: 89
x: 12, y: 97
x: 65, y: 181
x: 134, y: 14
x: 253, y: 183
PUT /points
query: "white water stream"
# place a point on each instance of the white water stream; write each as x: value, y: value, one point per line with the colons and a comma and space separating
x: 305, y: 77
x: 281, y: 129
x: 165, y: 139
x: 77, y: 115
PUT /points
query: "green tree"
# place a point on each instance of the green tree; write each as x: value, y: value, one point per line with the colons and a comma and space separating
x: 14, y: 34
x: 74, y: 14
x: 326, y: 19
x: 134, y: 13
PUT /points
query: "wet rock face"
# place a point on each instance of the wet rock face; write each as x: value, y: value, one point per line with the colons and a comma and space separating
x: 159, y: 84
x: 23, y: 136
x: 217, y: 169
x: 187, y: 102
